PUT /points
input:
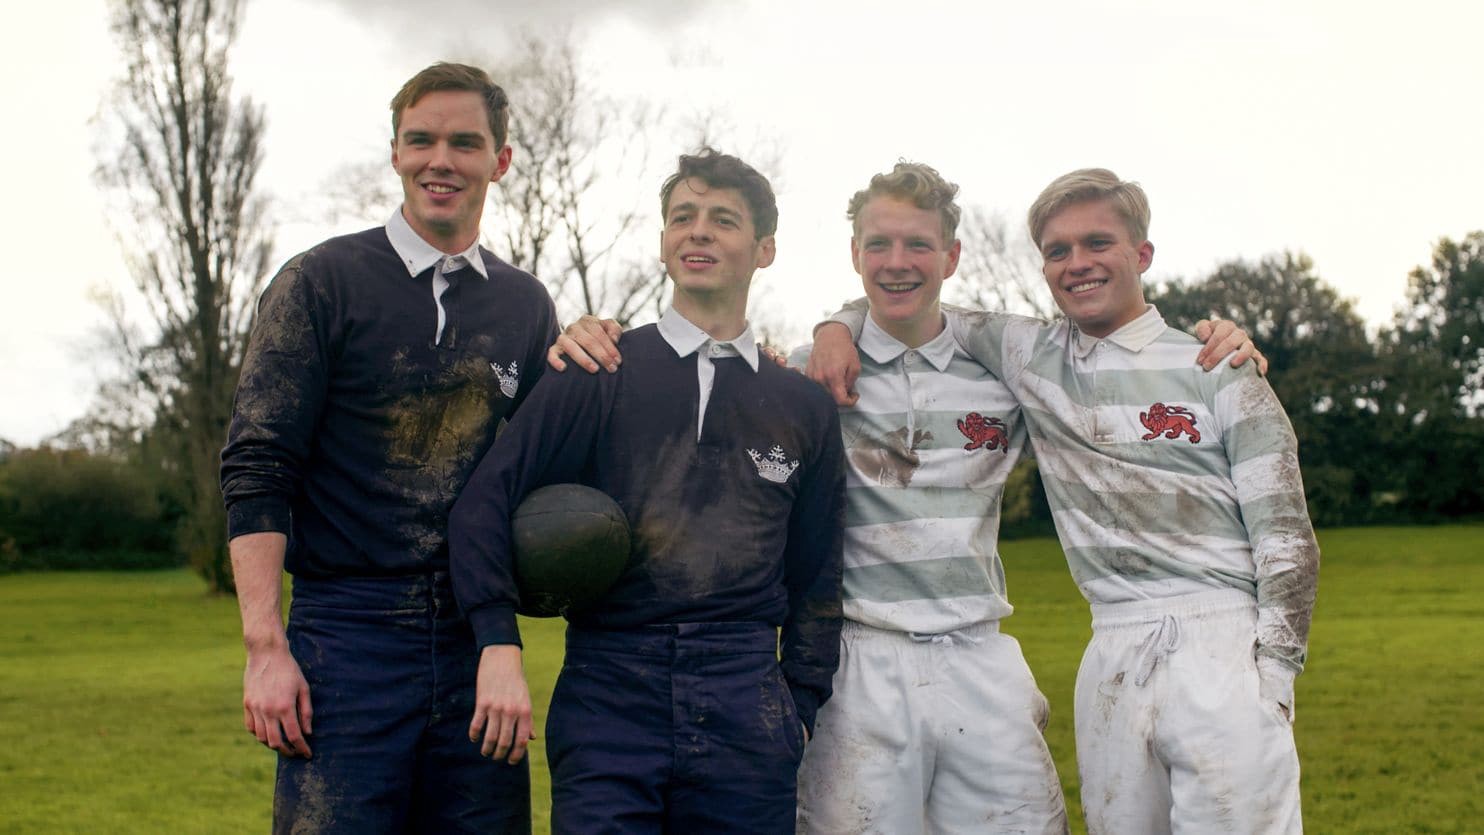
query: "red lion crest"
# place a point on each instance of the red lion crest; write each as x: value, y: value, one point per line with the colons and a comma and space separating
x: 1170, y: 420
x: 989, y: 433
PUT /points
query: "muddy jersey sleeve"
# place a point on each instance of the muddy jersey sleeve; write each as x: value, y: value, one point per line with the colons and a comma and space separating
x: 280, y: 394
x: 549, y: 441
x: 1263, y: 453
x: 810, y: 639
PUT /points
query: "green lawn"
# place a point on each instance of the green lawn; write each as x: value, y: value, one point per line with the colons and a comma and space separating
x: 120, y: 711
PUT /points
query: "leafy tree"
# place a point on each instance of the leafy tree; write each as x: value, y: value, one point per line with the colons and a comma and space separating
x: 1323, y: 368
x: 182, y: 154
x: 1435, y: 356
x: 1439, y: 336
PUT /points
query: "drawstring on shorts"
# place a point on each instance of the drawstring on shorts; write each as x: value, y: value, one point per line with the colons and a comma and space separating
x: 944, y: 639
x: 1163, y: 640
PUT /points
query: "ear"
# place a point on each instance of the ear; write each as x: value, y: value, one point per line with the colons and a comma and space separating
x: 767, y: 249
x: 855, y: 256
x: 1146, y: 256
x: 953, y: 253
x: 502, y: 162
x: 394, y: 153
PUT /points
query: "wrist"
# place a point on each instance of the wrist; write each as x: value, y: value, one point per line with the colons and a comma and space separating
x: 267, y: 642
x: 504, y: 652
x: 1276, y: 680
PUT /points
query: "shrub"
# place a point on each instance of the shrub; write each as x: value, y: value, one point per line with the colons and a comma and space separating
x: 73, y: 509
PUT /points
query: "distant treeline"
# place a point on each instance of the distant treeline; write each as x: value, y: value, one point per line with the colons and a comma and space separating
x: 73, y: 509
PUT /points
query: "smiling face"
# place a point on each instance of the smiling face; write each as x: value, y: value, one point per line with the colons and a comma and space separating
x: 709, y: 245
x: 447, y: 158
x: 902, y: 259
x: 1093, y: 266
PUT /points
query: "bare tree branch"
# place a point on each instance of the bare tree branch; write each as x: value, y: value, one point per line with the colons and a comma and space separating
x: 181, y: 157
x: 998, y: 270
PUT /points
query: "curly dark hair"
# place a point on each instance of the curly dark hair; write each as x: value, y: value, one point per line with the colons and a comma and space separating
x: 719, y: 170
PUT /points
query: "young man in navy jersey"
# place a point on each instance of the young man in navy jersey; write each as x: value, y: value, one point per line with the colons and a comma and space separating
x: 379, y: 368
x: 680, y: 707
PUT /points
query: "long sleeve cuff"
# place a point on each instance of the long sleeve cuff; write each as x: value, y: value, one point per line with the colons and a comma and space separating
x: 806, y: 702
x: 494, y: 624
x: 258, y: 514
x: 1276, y: 680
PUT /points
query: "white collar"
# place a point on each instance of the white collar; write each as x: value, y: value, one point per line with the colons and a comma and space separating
x: 884, y: 348
x: 683, y: 336
x: 1132, y: 337
x: 417, y: 254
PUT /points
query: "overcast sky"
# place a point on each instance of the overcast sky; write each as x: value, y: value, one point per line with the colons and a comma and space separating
x: 1255, y: 127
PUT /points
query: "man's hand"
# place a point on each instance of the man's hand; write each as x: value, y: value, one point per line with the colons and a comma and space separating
x: 1223, y: 337
x: 779, y: 358
x: 275, y: 701
x: 502, y: 705
x: 834, y: 363
x: 589, y: 342
x: 275, y: 696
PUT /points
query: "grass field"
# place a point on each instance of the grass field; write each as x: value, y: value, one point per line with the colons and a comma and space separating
x: 120, y: 692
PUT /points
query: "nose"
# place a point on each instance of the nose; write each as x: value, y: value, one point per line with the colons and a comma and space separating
x: 896, y: 260
x: 1079, y: 262
x: 700, y: 231
x: 440, y: 160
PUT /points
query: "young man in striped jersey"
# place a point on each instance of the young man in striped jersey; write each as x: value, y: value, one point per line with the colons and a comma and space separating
x: 1179, y: 504
x: 936, y: 721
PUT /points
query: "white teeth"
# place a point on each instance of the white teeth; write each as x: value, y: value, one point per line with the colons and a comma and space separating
x: 1078, y: 288
x: 897, y: 288
x: 436, y: 189
x: 696, y: 259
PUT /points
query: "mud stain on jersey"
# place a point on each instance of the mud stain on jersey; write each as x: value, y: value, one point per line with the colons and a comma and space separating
x: 1129, y: 563
x: 446, y: 424
x: 889, y: 460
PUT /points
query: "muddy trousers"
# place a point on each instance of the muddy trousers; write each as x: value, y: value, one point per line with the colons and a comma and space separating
x: 1172, y: 733
x: 391, y: 667
x: 675, y: 728
x: 930, y: 733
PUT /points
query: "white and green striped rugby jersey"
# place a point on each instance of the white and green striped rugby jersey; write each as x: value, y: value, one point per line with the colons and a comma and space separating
x: 929, y: 446
x: 1163, y: 479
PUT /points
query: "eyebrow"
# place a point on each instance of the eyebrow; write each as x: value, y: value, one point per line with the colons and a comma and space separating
x: 459, y: 136
x: 690, y: 206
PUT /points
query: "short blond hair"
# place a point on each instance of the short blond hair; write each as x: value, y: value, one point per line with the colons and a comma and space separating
x: 916, y: 183
x: 1085, y: 184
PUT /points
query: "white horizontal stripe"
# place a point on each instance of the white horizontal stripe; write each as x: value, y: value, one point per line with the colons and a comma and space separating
x: 932, y: 391
x: 1116, y: 589
x: 948, y: 468
x: 921, y: 539
x: 1266, y: 475
x: 1103, y: 474
x: 929, y: 617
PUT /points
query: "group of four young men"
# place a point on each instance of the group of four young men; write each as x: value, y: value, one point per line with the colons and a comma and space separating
x: 362, y: 457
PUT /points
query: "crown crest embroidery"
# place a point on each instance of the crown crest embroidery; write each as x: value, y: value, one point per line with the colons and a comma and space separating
x: 774, y: 466
x: 509, y: 380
